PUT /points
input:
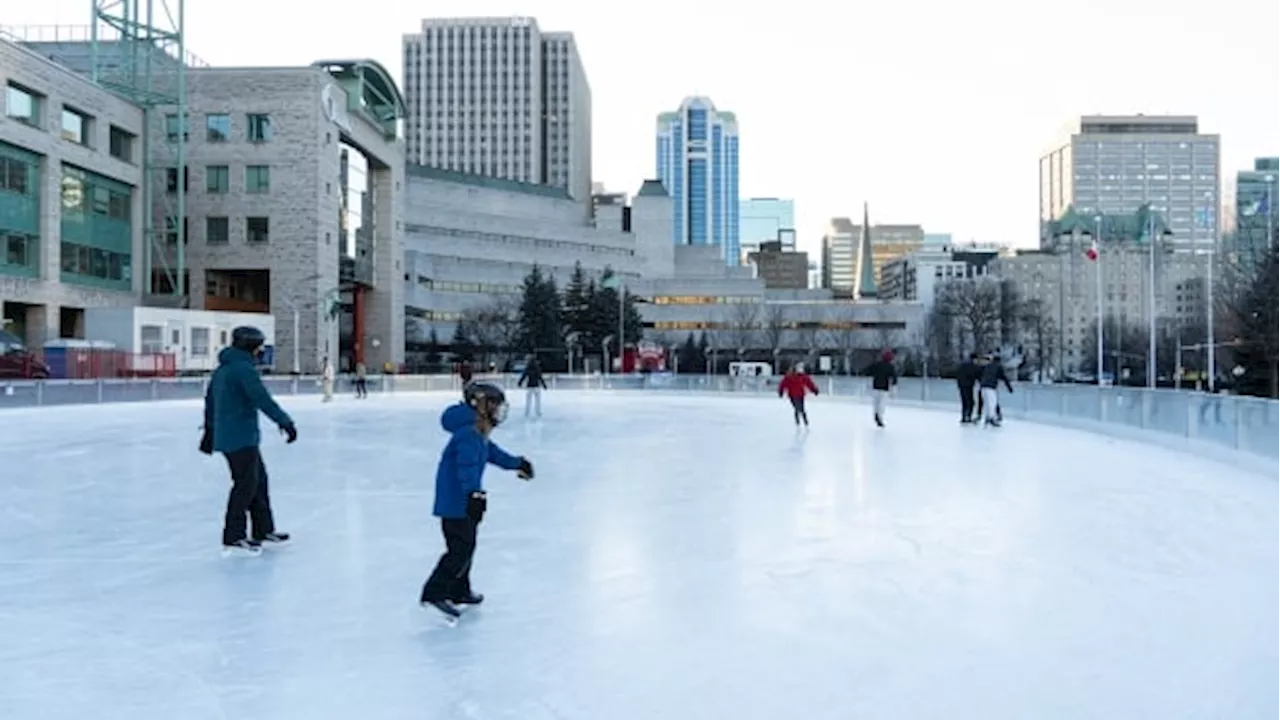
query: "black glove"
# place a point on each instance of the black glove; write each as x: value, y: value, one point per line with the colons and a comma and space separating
x: 290, y: 432
x: 525, y: 471
x: 206, y: 442
x: 477, y: 503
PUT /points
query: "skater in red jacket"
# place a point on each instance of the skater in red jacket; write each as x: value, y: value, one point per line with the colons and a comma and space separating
x: 796, y: 384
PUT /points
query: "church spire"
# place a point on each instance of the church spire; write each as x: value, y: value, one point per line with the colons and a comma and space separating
x: 866, y: 265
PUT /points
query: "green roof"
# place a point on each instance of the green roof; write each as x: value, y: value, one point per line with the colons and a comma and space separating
x: 1130, y: 227
x: 653, y: 188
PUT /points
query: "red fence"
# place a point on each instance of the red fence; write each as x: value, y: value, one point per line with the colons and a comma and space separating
x: 92, y: 363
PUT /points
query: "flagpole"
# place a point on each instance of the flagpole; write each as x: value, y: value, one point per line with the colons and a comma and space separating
x: 1211, y: 364
x: 1097, y: 241
x: 1151, y: 300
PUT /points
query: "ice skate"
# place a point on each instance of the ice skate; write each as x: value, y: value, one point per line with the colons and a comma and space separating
x: 242, y: 548
x: 879, y: 421
x: 446, y: 608
x: 274, y: 539
x: 469, y: 599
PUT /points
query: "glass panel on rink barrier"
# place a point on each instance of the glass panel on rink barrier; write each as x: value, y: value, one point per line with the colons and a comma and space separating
x: 1247, y: 424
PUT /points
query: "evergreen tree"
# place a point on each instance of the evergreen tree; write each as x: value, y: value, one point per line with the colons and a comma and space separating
x: 604, y: 315
x: 433, y: 347
x: 461, y: 344
x: 576, y: 306
x: 540, y: 314
x: 689, y: 356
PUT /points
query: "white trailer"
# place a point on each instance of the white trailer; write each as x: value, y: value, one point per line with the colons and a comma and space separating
x: 193, y: 337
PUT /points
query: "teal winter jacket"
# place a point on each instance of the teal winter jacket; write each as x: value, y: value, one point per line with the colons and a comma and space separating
x: 231, y: 405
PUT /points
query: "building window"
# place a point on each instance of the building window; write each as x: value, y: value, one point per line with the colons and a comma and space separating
x: 217, y: 231
x: 76, y: 126
x: 171, y: 179
x: 259, y: 127
x: 217, y: 179
x: 21, y: 253
x: 172, y: 127
x: 217, y: 128
x: 257, y: 178
x: 23, y: 104
x: 18, y: 175
x: 199, y: 342
x: 121, y: 144
x: 171, y: 230
x: 257, y: 230
x: 97, y: 237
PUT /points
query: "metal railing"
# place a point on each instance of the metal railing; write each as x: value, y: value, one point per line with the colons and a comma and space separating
x: 1186, y: 420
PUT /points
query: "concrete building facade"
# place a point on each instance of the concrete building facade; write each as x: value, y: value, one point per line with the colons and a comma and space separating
x: 1113, y: 165
x: 1257, y: 210
x: 917, y: 276
x: 498, y: 97
x: 780, y: 268
x: 70, y: 206
x: 293, y: 205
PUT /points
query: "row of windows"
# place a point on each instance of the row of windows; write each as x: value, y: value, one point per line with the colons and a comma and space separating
x: 513, y: 239
x: 76, y: 126
x: 703, y: 300
x: 92, y: 262
x: 217, y: 127
x: 84, y: 192
x: 460, y: 287
x: 217, y: 230
x: 802, y: 325
x: 217, y: 179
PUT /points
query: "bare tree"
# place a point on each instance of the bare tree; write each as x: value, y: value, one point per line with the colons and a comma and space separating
x: 809, y: 332
x: 842, y: 332
x: 775, y: 324
x: 743, y: 321
x: 939, y: 333
x: 1038, y: 326
x: 975, y: 306
x: 493, y: 326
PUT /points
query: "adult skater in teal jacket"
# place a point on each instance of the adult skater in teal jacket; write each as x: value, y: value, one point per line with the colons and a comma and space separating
x: 231, y: 405
x: 460, y: 500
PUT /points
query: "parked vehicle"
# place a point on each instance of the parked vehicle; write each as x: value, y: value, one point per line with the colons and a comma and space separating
x: 16, y: 361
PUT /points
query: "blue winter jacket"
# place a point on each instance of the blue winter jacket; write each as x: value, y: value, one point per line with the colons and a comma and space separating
x: 461, y: 468
x: 235, y: 396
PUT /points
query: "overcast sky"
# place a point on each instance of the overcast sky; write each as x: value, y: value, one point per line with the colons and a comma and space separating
x: 935, y: 112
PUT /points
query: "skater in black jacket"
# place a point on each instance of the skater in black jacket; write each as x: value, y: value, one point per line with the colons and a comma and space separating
x: 883, y: 376
x: 992, y: 375
x: 966, y: 378
x: 531, y: 380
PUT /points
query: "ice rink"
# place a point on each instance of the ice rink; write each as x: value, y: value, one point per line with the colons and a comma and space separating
x: 677, y: 557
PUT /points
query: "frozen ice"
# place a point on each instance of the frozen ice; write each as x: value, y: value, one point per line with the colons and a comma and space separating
x: 676, y: 557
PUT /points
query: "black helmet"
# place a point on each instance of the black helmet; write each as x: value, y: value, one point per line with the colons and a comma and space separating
x: 247, y: 338
x: 486, y: 398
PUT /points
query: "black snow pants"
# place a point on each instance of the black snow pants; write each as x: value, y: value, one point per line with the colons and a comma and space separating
x: 248, y: 496
x: 966, y: 402
x: 797, y: 404
x: 452, y: 577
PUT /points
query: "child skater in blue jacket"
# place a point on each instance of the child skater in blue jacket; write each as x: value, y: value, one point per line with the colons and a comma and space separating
x: 460, y: 497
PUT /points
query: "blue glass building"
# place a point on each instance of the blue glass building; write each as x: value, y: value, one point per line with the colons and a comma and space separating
x: 762, y: 218
x: 697, y: 159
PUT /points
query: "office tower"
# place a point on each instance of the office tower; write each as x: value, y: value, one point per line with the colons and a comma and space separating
x: 761, y: 219
x: 1256, y: 211
x: 1113, y: 165
x: 498, y: 97
x: 697, y: 158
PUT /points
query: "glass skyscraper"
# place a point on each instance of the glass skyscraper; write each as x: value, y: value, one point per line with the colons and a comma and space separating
x: 697, y: 158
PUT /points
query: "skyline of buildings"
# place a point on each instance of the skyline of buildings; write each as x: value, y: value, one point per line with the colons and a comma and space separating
x: 498, y: 97
x: 697, y: 161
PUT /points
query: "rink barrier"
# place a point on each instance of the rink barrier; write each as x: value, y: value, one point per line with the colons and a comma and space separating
x: 1182, y: 420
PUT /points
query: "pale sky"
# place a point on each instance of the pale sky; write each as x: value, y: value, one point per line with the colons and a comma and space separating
x: 935, y: 111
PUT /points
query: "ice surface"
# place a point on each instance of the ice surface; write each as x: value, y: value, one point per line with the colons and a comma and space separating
x: 676, y: 557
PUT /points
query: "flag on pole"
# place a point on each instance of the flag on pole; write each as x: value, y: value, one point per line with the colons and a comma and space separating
x: 1262, y: 207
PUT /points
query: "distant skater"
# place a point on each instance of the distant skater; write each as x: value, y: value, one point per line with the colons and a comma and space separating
x: 326, y: 380
x: 361, y: 381
x: 883, y: 376
x: 796, y: 384
x: 460, y: 499
x: 531, y: 379
x: 231, y: 405
x: 992, y: 375
x: 465, y: 372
